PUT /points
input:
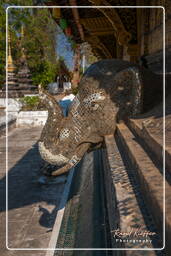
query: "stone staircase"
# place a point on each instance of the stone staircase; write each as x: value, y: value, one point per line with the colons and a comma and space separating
x: 133, y: 193
x: 134, y: 160
x: 138, y: 179
x: 119, y: 193
x: 148, y: 174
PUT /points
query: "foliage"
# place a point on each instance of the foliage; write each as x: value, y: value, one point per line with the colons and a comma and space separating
x: 44, y: 74
x: 40, y: 38
x: 38, y: 42
x: 75, y: 91
x: 14, y: 23
x: 31, y: 103
x: 2, y: 46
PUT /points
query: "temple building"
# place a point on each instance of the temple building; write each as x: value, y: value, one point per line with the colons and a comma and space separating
x: 12, y: 79
x: 137, y: 31
x: 19, y: 78
x: 114, y: 167
x: 24, y: 77
x: 25, y: 85
x: 133, y: 34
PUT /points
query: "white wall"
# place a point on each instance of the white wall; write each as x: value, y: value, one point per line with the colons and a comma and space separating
x: 31, y: 118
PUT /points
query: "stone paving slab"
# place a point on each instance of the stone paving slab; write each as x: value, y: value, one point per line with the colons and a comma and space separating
x: 150, y: 128
x: 150, y: 178
x: 32, y: 206
x: 127, y: 197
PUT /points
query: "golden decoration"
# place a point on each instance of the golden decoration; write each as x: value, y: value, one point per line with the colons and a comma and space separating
x: 10, y: 67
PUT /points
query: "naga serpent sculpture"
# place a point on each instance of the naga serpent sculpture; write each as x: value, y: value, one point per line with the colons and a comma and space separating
x: 109, y: 91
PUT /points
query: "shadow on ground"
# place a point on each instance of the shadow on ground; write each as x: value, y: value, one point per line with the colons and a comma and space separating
x: 24, y: 191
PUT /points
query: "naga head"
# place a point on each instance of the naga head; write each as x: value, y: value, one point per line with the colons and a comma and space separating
x: 59, y: 143
x: 109, y: 91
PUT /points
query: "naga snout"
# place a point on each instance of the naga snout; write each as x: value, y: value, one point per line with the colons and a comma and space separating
x: 55, y: 159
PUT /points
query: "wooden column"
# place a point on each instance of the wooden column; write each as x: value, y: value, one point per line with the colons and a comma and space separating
x: 76, y: 71
x: 119, y: 51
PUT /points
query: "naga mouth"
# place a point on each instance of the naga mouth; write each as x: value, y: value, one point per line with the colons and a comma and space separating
x: 49, y: 169
x: 58, y: 159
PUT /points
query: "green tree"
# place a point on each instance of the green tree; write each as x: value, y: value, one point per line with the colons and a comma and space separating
x: 2, y: 45
x: 39, y: 41
x: 41, y: 48
x: 45, y: 73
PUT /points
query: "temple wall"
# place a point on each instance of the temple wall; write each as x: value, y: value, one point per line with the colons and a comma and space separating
x: 149, y: 51
x: 150, y: 35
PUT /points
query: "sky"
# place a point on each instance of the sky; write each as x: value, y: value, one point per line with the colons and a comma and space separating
x: 64, y: 49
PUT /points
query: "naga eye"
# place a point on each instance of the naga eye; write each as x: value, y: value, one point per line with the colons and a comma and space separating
x: 64, y: 134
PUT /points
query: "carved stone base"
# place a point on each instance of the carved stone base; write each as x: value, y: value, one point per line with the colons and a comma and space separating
x: 155, y: 61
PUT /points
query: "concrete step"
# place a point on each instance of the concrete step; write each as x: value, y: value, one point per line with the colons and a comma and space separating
x: 127, y: 210
x: 150, y: 179
x: 154, y: 143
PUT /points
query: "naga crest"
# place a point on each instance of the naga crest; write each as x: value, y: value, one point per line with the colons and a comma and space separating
x: 110, y: 90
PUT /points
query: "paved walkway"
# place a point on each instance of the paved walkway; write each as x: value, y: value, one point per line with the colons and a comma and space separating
x: 32, y: 207
x: 2, y: 112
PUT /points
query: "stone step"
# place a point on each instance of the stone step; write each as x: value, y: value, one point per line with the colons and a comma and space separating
x: 150, y: 179
x: 127, y: 211
x: 154, y: 143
